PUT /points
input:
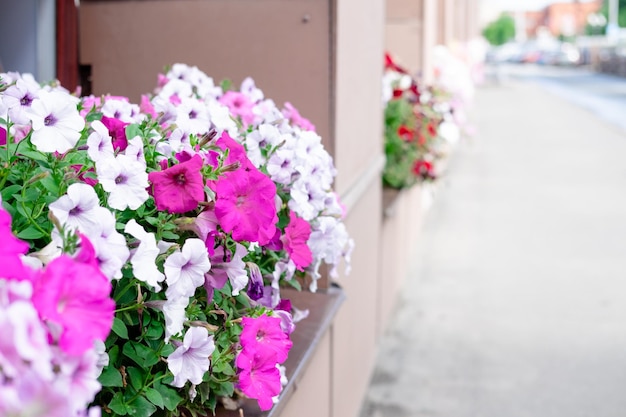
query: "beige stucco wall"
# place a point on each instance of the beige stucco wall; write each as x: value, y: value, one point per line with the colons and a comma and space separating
x: 313, y: 391
x: 283, y: 45
x: 358, y: 132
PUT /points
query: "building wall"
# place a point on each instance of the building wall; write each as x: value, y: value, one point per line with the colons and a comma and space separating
x: 561, y: 18
x: 27, y: 35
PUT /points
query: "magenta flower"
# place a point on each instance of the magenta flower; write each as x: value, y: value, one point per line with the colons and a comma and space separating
x: 179, y: 188
x: 240, y: 105
x: 74, y: 297
x: 295, y: 240
x: 11, y: 266
x: 264, y: 333
x: 291, y: 113
x: 3, y: 136
x: 245, y: 205
x: 236, y: 151
x: 259, y: 378
x: 117, y: 130
x: 146, y: 106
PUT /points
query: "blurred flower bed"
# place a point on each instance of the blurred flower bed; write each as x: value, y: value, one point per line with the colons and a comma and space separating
x: 421, y: 123
x: 145, y: 245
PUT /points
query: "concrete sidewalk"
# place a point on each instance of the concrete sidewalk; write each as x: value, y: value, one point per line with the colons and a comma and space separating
x: 516, y: 301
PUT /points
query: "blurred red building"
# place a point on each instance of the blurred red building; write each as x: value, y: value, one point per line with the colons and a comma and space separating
x: 563, y: 18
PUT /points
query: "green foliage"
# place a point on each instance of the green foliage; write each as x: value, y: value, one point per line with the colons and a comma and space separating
x: 500, y: 31
x: 604, y: 11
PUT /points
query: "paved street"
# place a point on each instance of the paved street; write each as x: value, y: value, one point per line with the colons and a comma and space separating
x: 516, y: 301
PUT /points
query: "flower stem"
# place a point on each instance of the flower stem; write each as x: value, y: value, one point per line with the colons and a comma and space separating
x: 131, y: 307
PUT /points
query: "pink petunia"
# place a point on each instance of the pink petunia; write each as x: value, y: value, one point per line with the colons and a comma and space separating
x: 3, y: 136
x: 179, y: 188
x: 240, y: 105
x: 74, y: 297
x: 245, y: 205
x: 259, y: 378
x: 11, y: 266
x: 146, y: 106
x: 264, y: 333
x: 295, y: 240
x: 236, y: 151
x: 291, y: 113
x: 117, y: 130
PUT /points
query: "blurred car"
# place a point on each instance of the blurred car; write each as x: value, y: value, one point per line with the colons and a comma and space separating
x: 566, y: 54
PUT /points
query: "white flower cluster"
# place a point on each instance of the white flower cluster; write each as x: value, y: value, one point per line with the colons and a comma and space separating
x: 292, y: 155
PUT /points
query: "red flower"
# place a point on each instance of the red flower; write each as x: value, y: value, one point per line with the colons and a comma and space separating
x: 179, y: 188
x: 390, y: 64
x: 432, y: 129
x: 424, y: 169
x: 405, y: 133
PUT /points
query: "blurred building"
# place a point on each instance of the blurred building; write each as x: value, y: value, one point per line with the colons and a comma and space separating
x: 563, y: 18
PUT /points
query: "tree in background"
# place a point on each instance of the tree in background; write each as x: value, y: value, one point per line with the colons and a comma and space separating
x: 604, y: 10
x: 500, y: 31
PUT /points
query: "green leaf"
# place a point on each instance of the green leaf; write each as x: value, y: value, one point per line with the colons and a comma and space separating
x: 167, y: 350
x: 149, y: 355
x: 110, y: 377
x: 132, y: 130
x: 295, y: 283
x: 171, y: 399
x: 93, y: 116
x: 169, y: 235
x: 154, y: 330
x: 226, y: 84
x: 141, y: 407
x: 117, y: 404
x: 114, y: 352
x: 141, y: 354
x: 136, y: 377
x: 225, y: 389
x: 119, y: 328
x: 30, y: 233
x: 155, y: 397
x: 33, y: 155
x: 9, y: 191
x: 50, y: 184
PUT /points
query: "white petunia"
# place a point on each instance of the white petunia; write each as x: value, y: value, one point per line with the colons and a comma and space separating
x: 120, y: 108
x: 185, y: 269
x: 135, y: 150
x: 192, y: 116
x: 175, y: 315
x: 307, y: 198
x: 99, y: 142
x: 258, y: 140
x: 19, y: 98
x: 191, y: 360
x: 110, y: 245
x: 56, y: 122
x: 143, y: 258
x: 221, y: 118
x: 249, y: 88
x: 79, y: 209
x: 125, y: 179
x: 280, y: 166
